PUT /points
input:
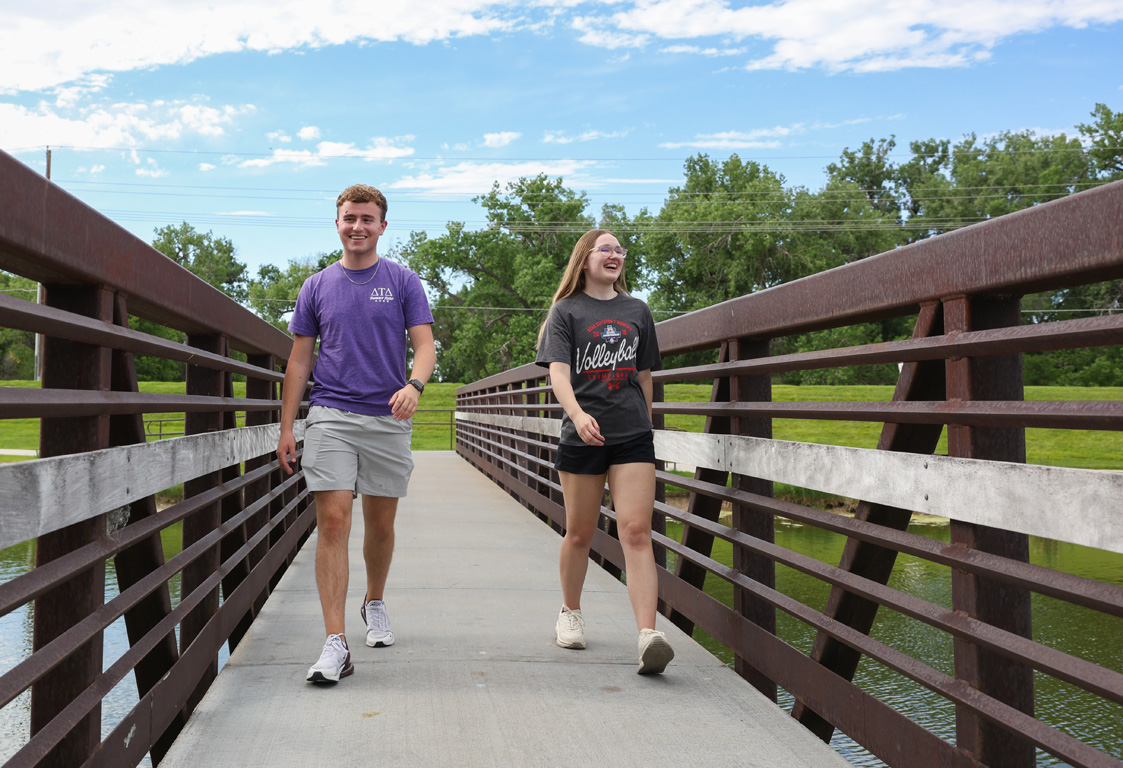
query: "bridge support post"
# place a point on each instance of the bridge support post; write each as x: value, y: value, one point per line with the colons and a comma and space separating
x: 202, y: 381
x: 136, y: 562
x: 997, y: 377
x: 918, y: 381
x: 757, y: 389
x: 72, y: 365
x: 705, y: 507
x: 258, y: 389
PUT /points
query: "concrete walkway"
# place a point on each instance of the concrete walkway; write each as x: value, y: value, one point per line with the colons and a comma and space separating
x: 474, y: 678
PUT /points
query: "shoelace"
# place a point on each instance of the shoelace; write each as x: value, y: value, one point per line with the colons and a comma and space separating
x: 377, y: 617
x: 571, y: 620
x: 334, y: 649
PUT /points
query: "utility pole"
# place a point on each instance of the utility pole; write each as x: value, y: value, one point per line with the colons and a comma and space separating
x: 41, y: 298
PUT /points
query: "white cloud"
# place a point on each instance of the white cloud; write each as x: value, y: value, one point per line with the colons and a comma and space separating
x: 721, y: 141
x: 308, y: 133
x: 278, y: 136
x: 477, y: 178
x: 43, y: 48
x: 112, y: 125
x: 758, y: 138
x: 600, y: 35
x: 496, y: 140
x: 206, y: 167
x: 559, y: 137
x: 847, y: 35
x: 702, y: 51
x: 379, y: 148
x: 151, y: 169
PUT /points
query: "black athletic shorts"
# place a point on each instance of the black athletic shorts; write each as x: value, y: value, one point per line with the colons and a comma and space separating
x: 596, y: 459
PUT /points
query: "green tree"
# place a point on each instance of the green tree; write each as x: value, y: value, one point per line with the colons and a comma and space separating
x: 492, y: 288
x: 734, y: 228
x: 716, y: 236
x: 211, y: 258
x: 17, y: 348
x: 978, y: 179
x: 272, y: 295
x: 872, y: 172
x: 1104, y: 137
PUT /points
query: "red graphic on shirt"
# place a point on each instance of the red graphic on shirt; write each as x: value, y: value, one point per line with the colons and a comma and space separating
x: 611, y: 357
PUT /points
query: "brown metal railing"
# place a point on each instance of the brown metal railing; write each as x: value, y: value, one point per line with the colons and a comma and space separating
x: 962, y: 375
x: 89, y: 501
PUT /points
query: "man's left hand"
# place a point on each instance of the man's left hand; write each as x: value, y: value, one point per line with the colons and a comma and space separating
x: 404, y: 402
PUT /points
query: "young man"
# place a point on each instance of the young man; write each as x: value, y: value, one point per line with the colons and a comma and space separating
x: 357, y: 439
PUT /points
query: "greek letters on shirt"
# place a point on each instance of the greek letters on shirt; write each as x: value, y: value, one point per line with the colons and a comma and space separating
x: 382, y: 295
x: 611, y: 355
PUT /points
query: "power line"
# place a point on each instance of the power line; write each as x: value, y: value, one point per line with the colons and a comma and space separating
x: 360, y: 155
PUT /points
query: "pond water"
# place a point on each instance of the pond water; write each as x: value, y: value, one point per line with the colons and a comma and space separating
x: 1077, y: 631
x: 15, y: 645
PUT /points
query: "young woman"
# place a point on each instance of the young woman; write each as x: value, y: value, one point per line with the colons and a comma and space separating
x: 599, y: 344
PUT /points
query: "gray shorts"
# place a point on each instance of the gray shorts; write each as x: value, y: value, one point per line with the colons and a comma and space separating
x: 346, y: 451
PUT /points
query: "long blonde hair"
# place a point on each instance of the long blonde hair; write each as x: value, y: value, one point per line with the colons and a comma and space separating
x: 573, y: 280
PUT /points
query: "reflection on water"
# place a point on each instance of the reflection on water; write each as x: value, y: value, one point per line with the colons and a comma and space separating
x: 15, y: 645
x: 1073, y: 630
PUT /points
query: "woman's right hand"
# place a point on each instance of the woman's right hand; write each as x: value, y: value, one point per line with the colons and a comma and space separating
x: 588, y: 429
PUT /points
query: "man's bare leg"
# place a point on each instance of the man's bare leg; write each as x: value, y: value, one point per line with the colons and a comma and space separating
x: 333, y: 526
x: 378, y: 541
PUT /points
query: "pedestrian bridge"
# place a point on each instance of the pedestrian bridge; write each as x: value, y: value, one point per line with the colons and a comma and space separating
x: 475, y: 678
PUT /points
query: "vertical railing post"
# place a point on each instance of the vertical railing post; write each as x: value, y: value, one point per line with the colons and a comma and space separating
x: 72, y: 365
x: 701, y: 505
x: 258, y: 389
x: 232, y: 506
x: 659, y: 521
x: 144, y: 557
x: 209, y: 382
x: 998, y: 377
x: 761, y: 525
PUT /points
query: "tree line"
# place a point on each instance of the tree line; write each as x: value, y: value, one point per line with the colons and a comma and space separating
x: 731, y: 228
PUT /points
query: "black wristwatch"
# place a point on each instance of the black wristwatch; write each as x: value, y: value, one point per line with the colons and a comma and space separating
x: 419, y: 386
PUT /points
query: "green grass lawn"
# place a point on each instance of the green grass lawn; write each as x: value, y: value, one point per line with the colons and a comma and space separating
x: 24, y: 433
x: 1055, y: 447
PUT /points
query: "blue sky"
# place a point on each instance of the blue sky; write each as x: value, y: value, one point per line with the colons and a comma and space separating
x: 247, y: 118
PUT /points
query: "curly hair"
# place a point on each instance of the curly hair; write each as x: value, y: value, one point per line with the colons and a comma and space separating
x: 362, y: 193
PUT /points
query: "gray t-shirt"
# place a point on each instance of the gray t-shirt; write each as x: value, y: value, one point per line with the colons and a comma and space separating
x: 605, y: 344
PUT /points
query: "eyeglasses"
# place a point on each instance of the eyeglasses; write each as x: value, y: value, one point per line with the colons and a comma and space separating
x: 606, y: 250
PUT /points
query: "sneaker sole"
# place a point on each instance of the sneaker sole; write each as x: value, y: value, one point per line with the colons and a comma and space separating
x: 656, y: 656
x: 575, y: 646
x: 320, y: 677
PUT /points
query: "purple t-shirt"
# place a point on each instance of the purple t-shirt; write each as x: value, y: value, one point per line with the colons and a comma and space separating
x: 362, y: 329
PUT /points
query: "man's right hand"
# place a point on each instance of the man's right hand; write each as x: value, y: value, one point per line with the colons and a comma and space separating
x: 286, y: 451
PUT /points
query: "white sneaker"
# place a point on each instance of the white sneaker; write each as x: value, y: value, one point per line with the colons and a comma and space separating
x: 378, y: 624
x: 569, y: 632
x: 334, y: 663
x: 654, y: 652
